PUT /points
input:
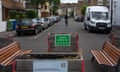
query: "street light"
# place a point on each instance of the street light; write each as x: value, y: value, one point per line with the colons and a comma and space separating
x: 111, y: 11
x: 51, y: 6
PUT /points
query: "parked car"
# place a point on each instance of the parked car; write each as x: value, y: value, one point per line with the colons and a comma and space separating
x: 55, y: 18
x: 97, y: 19
x: 52, y: 21
x: 45, y: 21
x: 41, y: 22
x: 27, y: 26
x: 78, y: 18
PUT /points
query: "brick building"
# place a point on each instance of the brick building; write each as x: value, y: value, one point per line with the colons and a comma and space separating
x: 43, y: 10
x: 98, y: 2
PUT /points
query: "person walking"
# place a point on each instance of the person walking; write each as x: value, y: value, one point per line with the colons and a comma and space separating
x: 66, y: 20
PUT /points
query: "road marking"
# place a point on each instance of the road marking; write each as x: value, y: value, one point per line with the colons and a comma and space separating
x: 46, y: 30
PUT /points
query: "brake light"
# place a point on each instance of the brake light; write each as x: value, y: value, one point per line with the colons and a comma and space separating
x: 32, y: 26
x: 17, y: 27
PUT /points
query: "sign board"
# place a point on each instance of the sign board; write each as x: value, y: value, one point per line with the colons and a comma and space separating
x: 50, y: 66
x: 62, y: 40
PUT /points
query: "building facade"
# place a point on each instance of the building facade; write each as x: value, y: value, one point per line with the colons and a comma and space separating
x: 99, y: 2
x: 8, y: 5
x: 43, y: 10
x: 5, y: 7
x: 74, y: 7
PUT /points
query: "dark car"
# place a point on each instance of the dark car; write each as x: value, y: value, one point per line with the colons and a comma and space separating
x: 28, y: 26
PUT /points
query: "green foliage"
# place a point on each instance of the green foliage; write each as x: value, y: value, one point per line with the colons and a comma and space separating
x: 31, y: 14
x: 13, y: 14
x: 83, y: 9
x: 36, y: 2
x: 53, y: 3
x: 23, y: 15
x: 54, y: 6
x: 16, y: 15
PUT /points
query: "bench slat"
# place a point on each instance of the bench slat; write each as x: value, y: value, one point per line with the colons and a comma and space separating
x: 6, y: 47
x: 107, y: 58
x: 109, y: 55
x: 112, y: 61
x: 9, y: 53
x: 11, y: 58
x: 99, y: 57
x: 112, y: 51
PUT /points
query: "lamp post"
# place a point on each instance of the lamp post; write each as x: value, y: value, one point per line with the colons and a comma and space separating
x: 51, y: 8
x: 111, y: 11
x: 0, y: 10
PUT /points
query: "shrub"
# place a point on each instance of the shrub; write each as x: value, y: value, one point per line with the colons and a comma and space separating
x: 83, y: 9
x: 12, y: 14
x: 31, y: 14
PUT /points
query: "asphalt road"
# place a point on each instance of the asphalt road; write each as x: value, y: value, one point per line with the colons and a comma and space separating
x: 87, y: 41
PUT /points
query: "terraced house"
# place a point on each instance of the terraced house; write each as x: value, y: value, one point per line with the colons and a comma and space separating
x: 42, y: 10
x: 99, y: 2
x: 6, y: 6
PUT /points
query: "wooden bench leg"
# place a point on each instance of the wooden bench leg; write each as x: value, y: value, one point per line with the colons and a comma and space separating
x: 106, y: 68
x: 92, y: 59
x: 117, y: 69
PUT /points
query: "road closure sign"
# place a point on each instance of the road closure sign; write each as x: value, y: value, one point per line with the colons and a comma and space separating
x: 62, y: 39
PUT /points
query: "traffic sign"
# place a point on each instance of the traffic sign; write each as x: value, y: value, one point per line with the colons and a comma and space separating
x: 62, y: 40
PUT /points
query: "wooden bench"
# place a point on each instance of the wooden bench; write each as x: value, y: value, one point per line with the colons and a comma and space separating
x: 109, y: 56
x: 10, y: 52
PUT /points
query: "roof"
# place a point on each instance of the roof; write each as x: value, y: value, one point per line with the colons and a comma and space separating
x: 11, y: 4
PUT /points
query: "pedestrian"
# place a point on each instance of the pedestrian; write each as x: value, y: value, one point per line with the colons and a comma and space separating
x: 66, y: 20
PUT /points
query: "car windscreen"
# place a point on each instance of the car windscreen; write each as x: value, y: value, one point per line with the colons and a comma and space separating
x: 25, y: 22
x: 45, y: 19
x: 100, y: 15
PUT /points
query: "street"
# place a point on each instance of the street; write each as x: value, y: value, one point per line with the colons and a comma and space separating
x: 87, y: 41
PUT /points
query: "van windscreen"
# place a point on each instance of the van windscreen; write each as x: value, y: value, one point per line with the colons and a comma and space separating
x: 100, y: 15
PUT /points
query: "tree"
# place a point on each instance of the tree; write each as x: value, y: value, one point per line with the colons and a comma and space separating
x: 36, y: 3
x: 31, y: 14
x: 13, y: 14
x: 83, y: 9
x: 54, y: 5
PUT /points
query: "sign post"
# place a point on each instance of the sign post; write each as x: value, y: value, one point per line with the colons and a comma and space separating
x: 62, y: 40
x: 0, y: 10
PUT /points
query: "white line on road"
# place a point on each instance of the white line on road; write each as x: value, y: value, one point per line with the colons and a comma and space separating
x: 35, y: 37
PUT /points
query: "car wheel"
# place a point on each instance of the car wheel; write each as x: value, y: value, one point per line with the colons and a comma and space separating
x: 35, y: 31
x: 89, y: 29
x: 40, y: 29
x: 18, y: 33
x: 85, y: 27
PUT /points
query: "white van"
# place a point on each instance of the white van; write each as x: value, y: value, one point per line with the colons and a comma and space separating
x: 97, y: 18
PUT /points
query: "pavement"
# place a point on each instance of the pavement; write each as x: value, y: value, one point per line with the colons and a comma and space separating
x: 116, y: 29
x: 8, y: 34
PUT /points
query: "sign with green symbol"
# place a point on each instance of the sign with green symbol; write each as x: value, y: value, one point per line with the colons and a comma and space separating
x: 62, y: 40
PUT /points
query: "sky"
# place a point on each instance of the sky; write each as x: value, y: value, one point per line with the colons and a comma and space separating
x: 69, y: 1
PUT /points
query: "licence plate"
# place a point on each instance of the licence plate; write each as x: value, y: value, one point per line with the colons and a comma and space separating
x: 24, y: 27
x: 101, y: 28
